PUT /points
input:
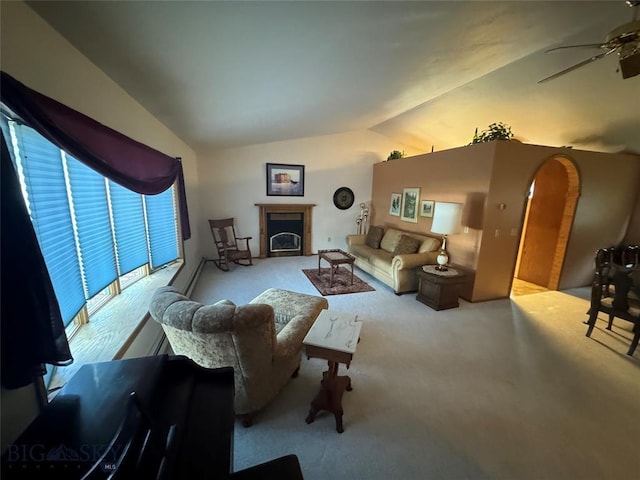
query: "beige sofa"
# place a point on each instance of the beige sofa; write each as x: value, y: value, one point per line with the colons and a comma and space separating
x: 261, y: 340
x: 397, y: 270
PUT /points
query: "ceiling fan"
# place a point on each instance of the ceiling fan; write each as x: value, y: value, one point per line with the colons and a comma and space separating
x: 623, y: 40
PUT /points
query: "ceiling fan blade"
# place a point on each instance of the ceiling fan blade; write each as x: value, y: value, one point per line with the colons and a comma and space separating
x: 586, y: 45
x: 577, y: 65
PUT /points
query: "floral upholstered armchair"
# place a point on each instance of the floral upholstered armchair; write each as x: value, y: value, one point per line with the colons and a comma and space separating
x: 262, y: 340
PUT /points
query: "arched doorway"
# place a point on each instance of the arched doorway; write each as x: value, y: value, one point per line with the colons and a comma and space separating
x: 548, y: 219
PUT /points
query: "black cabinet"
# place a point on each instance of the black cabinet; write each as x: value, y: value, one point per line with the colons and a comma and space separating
x: 153, y: 417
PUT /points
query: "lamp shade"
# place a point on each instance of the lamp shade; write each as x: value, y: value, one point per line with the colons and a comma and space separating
x: 446, y: 218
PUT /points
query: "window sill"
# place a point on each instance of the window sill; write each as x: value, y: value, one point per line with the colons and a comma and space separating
x: 111, y: 328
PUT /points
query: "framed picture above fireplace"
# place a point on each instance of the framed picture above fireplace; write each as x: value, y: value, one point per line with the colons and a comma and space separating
x: 285, y: 180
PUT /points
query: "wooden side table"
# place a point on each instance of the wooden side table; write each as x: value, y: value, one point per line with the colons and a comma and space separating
x: 333, y: 337
x: 439, y: 290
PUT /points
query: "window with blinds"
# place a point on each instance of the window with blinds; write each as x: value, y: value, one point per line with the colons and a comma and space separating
x: 91, y: 230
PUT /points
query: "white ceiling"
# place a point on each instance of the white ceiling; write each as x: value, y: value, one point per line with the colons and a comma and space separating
x: 225, y: 74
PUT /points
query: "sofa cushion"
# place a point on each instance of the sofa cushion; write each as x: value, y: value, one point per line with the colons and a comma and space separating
x: 406, y: 245
x: 381, y: 260
x: 374, y: 235
x: 430, y: 244
x: 363, y: 251
x: 390, y: 239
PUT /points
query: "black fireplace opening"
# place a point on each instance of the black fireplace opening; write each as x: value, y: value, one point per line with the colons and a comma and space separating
x: 285, y: 234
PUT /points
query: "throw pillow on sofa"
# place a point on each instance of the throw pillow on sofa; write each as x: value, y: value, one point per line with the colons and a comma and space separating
x: 406, y: 245
x: 390, y: 240
x: 374, y: 235
x: 429, y: 245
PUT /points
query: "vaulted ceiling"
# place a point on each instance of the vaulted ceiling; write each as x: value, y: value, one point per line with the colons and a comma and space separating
x: 233, y: 73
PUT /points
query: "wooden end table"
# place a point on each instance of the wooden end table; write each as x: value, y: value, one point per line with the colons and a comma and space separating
x: 335, y: 257
x: 437, y: 289
x: 333, y: 337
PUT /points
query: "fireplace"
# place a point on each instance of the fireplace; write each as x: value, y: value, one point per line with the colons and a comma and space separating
x: 285, y: 242
x: 284, y: 232
x: 285, y: 229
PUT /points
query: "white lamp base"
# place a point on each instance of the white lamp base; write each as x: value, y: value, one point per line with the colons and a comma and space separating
x: 442, y: 260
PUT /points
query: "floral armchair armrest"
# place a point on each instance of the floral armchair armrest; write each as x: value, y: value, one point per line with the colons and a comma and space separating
x: 289, y: 340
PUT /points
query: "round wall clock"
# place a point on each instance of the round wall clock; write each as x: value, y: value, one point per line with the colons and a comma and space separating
x: 343, y: 198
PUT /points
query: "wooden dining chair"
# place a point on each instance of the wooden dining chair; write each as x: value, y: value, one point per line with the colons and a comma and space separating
x: 623, y: 304
x: 231, y: 248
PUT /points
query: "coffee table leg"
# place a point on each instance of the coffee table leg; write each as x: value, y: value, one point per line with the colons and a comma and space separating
x: 351, y: 273
x: 331, y: 276
x: 319, y: 256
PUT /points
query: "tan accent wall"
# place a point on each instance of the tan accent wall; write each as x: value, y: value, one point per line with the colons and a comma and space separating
x: 457, y: 175
x: 609, y: 183
x: 497, y: 176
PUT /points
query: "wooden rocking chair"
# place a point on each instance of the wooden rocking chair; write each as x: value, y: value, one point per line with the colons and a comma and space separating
x: 228, y: 244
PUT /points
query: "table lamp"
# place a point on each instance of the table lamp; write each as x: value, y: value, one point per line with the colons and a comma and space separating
x: 446, y: 221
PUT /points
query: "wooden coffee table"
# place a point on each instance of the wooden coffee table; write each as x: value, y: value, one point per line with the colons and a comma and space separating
x: 335, y: 258
x: 333, y: 337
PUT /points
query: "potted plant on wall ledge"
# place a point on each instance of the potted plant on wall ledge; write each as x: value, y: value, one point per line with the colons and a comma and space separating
x: 495, y: 131
x: 396, y: 154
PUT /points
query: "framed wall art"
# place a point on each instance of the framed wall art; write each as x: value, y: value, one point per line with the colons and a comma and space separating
x: 394, y: 208
x: 426, y: 208
x: 285, y: 180
x: 410, y: 205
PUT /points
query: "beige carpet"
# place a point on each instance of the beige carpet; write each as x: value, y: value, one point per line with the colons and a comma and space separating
x: 506, y: 389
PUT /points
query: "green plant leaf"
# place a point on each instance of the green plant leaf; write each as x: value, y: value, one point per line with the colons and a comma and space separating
x: 495, y: 131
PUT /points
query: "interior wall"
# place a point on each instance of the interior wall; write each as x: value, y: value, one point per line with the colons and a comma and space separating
x: 632, y: 237
x: 234, y: 180
x: 609, y: 186
x: 493, y: 181
x: 460, y: 175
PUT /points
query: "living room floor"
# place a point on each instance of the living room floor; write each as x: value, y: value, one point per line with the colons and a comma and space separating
x: 522, y: 287
x: 505, y: 389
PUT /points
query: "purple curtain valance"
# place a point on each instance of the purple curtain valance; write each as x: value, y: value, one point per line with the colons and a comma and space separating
x: 125, y: 161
